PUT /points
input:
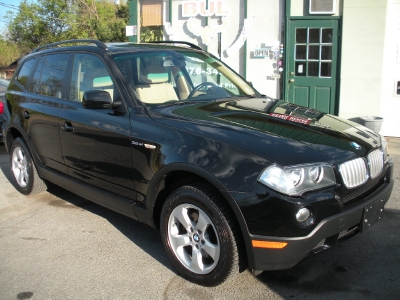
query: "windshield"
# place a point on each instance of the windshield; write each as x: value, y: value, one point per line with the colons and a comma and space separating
x: 160, y: 77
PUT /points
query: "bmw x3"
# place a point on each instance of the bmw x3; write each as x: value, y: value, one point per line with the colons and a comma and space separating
x: 167, y: 134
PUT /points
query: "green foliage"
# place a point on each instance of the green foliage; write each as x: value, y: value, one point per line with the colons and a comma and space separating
x: 40, y: 22
x: 9, y: 52
x: 151, y: 33
x: 45, y: 21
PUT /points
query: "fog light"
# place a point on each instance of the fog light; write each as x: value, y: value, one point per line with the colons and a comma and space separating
x: 303, y: 214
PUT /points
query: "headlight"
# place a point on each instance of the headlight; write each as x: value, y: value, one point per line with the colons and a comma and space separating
x: 296, y: 180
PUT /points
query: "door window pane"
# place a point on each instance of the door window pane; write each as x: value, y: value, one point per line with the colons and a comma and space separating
x: 327, y: 35
x: 89, y: 73
x: 326, y: 69
x: 301, y: 35
x: 326, y: 53
x: 35, y: 83
x: 301, y: 52
x: 313, y: 69
x: 53, y: 74
x: 313, y: 52
x: 300, y: 68
x: 313, y: 35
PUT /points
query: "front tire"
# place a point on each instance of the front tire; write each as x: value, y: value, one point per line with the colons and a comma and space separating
x: 200, y: 235
x: 23, y: 170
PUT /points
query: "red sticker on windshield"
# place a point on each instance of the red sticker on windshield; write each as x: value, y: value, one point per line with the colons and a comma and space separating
x: 291, y: 118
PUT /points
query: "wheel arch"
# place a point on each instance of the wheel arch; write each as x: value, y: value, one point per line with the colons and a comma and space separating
x: 13, y: 132
x: 175, y: 175
x: 178, y: 174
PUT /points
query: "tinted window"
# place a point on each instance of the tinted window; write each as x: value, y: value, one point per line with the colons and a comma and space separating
x: 24, y: 72
x: 89, y: 73
x: 49, y: 75
x: 35, y: 83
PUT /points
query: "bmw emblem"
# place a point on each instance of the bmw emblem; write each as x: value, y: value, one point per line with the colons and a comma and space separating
x: 355, y: 145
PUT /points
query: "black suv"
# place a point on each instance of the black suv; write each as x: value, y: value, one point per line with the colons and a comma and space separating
x: 3, y: 88
x: 167, y: 134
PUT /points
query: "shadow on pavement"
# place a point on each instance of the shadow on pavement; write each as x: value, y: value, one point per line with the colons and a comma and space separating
x: 145, y: 237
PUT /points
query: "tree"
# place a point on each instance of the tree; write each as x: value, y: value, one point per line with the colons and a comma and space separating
x: 40, y: 22
x: 9, y: 52
x: 46, y: 21
x: 103, y: 20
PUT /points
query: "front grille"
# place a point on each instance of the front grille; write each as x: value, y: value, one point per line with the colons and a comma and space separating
x: 375, y: 162
x: 354, y: 172
x: 366, y: 190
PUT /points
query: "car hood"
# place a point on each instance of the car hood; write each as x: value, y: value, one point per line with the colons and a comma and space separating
x: 272, y: 129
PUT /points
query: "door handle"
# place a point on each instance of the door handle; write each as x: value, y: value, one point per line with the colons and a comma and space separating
x: 26, y: 114
x: 291, y: 80
x: 67, y: 126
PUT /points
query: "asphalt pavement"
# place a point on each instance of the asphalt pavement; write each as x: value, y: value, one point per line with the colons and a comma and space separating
x: 57, y: 245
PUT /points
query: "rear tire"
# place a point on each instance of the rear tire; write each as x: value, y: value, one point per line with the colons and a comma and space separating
x: 25, y: 177
x: 200, y: 235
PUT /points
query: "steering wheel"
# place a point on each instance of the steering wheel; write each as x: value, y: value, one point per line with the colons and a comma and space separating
x: 201, y: 85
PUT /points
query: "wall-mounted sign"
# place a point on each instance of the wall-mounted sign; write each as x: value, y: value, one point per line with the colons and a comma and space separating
x: 261, y: 52
x: 195, y: 8
x: 267, y: 49
x: 131, y: 30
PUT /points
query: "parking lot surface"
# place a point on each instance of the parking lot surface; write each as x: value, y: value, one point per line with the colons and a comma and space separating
x: 57, y: 245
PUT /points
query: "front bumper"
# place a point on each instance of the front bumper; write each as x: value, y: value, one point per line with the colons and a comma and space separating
x: 327, y: 232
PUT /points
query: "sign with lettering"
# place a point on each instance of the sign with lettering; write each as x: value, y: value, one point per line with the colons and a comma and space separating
x: 291, y: 118
x: 195, y: 8
x: 262, y: 52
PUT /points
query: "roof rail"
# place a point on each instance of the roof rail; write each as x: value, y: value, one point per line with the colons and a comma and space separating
x: 176, y: 42
x: 88, y: 41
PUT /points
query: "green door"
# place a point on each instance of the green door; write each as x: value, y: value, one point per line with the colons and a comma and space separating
x: 312, y: 63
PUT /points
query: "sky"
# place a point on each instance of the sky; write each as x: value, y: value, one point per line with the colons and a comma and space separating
x: 7, y: 5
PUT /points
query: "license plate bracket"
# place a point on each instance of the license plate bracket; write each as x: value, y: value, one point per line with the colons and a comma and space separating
x: 372, y: 213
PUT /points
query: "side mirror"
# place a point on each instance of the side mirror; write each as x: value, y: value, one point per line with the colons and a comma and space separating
x: 96, y: 99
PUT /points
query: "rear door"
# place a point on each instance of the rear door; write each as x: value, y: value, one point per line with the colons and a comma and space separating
x: 40, y: 99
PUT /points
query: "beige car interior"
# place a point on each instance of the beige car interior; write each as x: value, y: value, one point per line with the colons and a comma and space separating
x: 96, y: 79
x: 154, y: 86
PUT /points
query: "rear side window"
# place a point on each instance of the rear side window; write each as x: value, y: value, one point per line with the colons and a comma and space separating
x: 25, y: 71
x: 49, y: 75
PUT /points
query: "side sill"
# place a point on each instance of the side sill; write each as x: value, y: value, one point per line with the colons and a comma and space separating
x: 102, y: 197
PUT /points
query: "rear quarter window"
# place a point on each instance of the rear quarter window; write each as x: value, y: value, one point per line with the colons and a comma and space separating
x: 26, y: 69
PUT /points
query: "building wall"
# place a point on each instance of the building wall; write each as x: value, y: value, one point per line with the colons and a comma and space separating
x: 261, y: 28
x: 369, y: 53
x: 300, y: 8
x: 266, y: 31
x: 362, y: 51
x: 390, y: 102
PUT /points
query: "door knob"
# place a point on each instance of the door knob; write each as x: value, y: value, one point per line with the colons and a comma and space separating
x: 291, y: 80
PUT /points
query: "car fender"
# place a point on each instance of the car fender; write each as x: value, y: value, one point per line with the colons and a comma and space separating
x: 157, y: 184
